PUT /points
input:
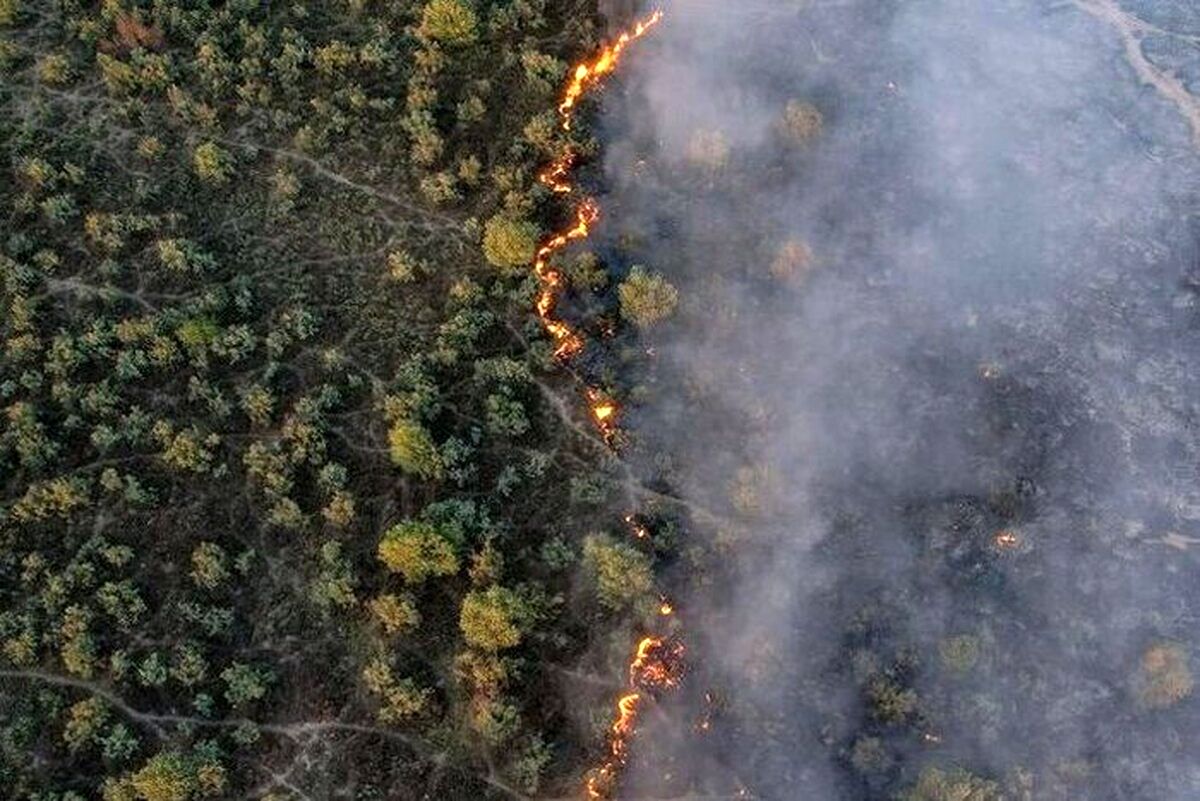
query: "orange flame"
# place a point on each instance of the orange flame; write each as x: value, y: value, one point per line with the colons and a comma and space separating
x: 657, y: 664
x: 604, y: 413
x: 587, y: 74
x: 568, y: 342
x: 1006, y: 540
x: 639, y: 530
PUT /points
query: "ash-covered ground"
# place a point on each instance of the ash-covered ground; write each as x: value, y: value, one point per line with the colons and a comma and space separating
x: 932, y: 393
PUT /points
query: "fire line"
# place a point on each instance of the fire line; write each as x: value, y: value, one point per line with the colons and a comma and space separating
x: 657, y: 663
x: 568, y: 342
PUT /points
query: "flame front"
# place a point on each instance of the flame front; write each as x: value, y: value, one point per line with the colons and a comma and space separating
x: 586, y: 75
x: 657, y: 663
x: 568, y: 342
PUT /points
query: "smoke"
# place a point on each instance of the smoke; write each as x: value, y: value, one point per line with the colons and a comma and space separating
x: 965, y: 306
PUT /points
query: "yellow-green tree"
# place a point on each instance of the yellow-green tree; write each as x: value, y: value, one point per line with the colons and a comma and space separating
x: 509, y: 242
x: 212, y: 163
x: 168, y: 776
x: 449, y: 21
x: 394, y: 613
x: 647, y: 298
x: 622, y: 573
x: 801, y: 121
x: 493, y: 619
x: 413, y: 450
x: 84, y: 721
x: 417, y: 551
x: 935, y: 784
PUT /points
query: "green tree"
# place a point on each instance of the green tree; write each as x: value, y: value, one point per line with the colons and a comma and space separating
x: 245, y: 683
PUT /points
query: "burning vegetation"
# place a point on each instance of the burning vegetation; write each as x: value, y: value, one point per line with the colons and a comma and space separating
x: 569, y: 342
x: 657, y: 664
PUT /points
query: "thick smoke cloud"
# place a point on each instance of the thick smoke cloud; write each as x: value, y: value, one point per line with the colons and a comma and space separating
x: 985, y: 321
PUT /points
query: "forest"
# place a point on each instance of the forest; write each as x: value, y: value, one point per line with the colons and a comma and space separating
x: 403, y: 401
